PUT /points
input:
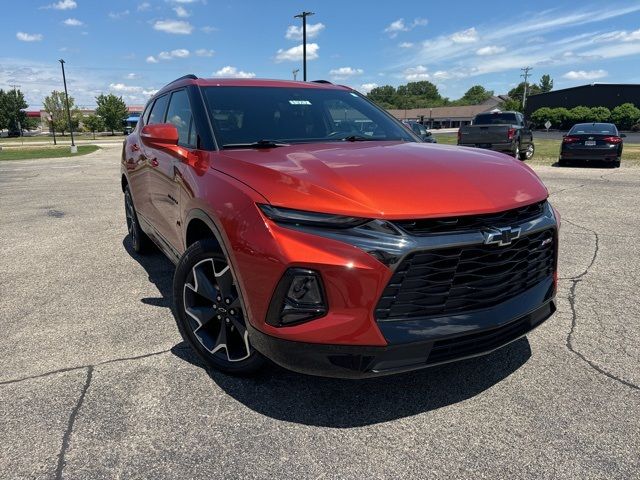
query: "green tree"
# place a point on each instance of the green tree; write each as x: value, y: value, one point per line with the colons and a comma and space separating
x: 55, y: 106
x: 625, y: 115
x: 560, y: 117
x: 600, y: 114
x: 382, y: 95
x: 541, y: 115
x: 546, y: 83
x: 113, y: 111
x: 3, y: 110
x: 517, y: 92
x: 580, y: 114
x: 475, y: 96
x: 12, y: 114
x: 94, y: 124
x: 512, y: 105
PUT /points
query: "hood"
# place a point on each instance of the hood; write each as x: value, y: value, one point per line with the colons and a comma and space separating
x: 384, y: 179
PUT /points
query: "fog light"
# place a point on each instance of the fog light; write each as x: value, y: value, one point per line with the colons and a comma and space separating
x: 299, y: 297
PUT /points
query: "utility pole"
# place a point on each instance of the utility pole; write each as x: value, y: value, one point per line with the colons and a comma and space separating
x: 295, y: 74
x: 526, y: 71
x: 74, y: 149
x: 304, y: 16
x: 14, y: 86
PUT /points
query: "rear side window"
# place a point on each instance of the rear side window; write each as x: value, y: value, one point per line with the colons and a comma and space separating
x: 158, y: 109
x: 145, y: 115
x: 180, y: 115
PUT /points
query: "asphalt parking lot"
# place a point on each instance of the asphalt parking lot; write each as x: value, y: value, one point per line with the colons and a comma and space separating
x: 95, y: 382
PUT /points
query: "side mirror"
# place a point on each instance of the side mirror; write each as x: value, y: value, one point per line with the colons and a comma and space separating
x: 160, y: 134
x: 622, y: 135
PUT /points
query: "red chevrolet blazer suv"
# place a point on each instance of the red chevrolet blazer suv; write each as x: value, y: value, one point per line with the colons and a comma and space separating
x: 309, y: 227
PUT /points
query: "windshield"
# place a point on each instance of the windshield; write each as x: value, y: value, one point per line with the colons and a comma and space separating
x: 594, y: 128
x: 495, y: 119
x: 245, y: 115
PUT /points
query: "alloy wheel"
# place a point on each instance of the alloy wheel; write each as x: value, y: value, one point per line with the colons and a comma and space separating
x: 213, y: 310
x: 131, y: 218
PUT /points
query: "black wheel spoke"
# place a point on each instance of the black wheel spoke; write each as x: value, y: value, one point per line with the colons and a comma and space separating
x: 222, y: 335
x: 238, y: 325
x: 224, y: 279
x: 204, y: 285
x: 203, y: 315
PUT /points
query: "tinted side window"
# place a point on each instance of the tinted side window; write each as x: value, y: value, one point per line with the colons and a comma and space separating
x: 145, y: 115
x: 157, y: 112
x: 179, y: 114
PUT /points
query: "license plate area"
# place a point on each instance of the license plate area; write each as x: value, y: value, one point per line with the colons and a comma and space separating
x: 590, y: 143
x: 483, y: 145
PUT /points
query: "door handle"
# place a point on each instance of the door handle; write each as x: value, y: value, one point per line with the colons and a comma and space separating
x: 154, y: 162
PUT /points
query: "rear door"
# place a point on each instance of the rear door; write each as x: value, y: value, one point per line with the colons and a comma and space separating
x: 165, y: 178
x: 146, y: 159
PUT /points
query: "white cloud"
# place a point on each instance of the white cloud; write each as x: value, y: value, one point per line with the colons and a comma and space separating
x: 406, y: 45
x: 396, y: 27
x: 132, y: 76
x: 619, y: 35
x: 233, y: 72
x: 177, y: 53
x: 29, y: 37
x: 345, y: 72
x: 585, y: 75
x: 152, y: 59
x: 490, y: 50
x: 181, y: 11
x: 150, y: 93
x: 367, y: 87
x: 178, y: 27
x: 144, y: 6
x: 121, y: 87
x: 295, y: 33
x: 208, y: 29
x: 73, y: 22
x: 470, y: 35
x: 118, y: 15
x: 295, y: 53
x: 416, y: 73
x: 63, y: 5
x: 203, y: 52
x: 442, y: 75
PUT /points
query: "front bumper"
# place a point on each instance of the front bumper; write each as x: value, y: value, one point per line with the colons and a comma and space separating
x: 416, y: 343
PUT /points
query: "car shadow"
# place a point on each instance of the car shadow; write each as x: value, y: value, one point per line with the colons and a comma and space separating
x: 583, y: 164
x: 328, y: 402
x: 159, y: 270
x: 284, y: 395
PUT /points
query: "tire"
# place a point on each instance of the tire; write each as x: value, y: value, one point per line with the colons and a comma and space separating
x: 516, y: 152
x: 139, y: 240
x: 528, y: 153
x: 209, y: 312
x: 562, y: 162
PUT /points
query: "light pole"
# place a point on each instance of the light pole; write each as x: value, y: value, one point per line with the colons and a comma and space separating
x: 304, y: 16
x: 74, y: 149
x: 295, y: 74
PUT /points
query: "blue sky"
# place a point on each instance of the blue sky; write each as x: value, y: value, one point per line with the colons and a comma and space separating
x: 132, y: 48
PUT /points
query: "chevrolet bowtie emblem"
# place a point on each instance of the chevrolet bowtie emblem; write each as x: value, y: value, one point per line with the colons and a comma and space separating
x: 501, y: 236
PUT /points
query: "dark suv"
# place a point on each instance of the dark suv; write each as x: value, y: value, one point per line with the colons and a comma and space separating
x: 310, y: 227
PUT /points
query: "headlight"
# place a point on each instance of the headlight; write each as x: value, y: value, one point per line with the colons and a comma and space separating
x: 301, y: 217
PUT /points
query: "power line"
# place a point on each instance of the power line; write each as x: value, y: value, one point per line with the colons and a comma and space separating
x: 526, y: 75
x: 14, y: 86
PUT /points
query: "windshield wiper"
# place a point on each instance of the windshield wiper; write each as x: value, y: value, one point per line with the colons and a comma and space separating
x: 356, y: 138
x: 258, y: 144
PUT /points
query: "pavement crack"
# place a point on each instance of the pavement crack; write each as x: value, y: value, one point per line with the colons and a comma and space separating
x: 66, y: 438
x: 575, y: 280
x: 81, y: 367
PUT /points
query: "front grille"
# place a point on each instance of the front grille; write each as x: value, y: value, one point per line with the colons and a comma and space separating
x: 468, y: 345
x: 428, y: 226
x: 459, y: 279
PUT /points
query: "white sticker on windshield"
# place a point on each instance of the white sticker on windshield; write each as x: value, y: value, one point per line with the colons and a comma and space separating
x: 299, y: 102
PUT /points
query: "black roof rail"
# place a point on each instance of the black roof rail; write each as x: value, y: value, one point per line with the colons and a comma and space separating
x: 321, y: 81
x: 189, y: 76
